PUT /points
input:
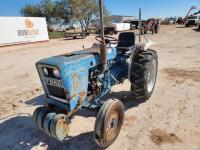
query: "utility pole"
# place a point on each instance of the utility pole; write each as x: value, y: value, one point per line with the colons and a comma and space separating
x: 140, y: 24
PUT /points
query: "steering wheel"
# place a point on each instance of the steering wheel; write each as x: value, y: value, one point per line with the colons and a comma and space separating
x: 108, y: 39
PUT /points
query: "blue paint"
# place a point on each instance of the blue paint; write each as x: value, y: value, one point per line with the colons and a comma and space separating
x: 75, y: 70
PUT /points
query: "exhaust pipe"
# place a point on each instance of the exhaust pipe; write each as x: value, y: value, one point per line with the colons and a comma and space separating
x: 103, y: 48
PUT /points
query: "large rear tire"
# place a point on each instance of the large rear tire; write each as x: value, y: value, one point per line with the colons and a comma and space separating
x: 143, y: 74
x: 108, y: 123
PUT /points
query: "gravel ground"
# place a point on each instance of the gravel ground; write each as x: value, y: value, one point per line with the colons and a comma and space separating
x: 168, y: 121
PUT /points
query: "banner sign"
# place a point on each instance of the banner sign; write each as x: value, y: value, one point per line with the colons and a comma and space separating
x: 20, y: 30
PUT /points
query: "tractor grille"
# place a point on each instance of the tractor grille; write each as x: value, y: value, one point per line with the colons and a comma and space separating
x: 192, y: 22
x: 56, y: 91
x: 53, y: 85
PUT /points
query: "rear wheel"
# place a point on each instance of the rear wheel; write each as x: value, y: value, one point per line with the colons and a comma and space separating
x: 109, y: 122
x: 143, y: 74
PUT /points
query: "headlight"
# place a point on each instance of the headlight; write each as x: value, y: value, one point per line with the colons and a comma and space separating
x: 46, y: 72
x: 56, y: 73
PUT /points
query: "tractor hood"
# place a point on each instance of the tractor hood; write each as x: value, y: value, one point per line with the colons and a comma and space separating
x: 77, y: 60
x: 72, y: 84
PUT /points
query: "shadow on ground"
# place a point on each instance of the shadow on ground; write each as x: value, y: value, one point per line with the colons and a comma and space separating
x: 71, y: 39
x: 190, y: 28
x: 125, y: 96
x: 39, y: 100
x: 197, y: 30
x: 182, y: 27
x: 19, y: 132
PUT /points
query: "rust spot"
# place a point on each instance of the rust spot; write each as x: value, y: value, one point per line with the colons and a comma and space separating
x: 61, y: 128
x: 80, y: 101
x: 81, y: 97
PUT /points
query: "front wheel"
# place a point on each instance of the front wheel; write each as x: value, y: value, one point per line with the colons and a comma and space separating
x: 143, y: 74
x: 108, y: 123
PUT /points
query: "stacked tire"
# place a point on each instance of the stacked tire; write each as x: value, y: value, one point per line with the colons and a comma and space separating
x: 51, y: 123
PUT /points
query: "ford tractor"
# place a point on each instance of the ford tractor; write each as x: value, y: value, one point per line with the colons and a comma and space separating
x: 81, y: 79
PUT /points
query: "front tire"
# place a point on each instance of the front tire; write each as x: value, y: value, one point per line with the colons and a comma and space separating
x: 108, y: 123
x: 143, y: 74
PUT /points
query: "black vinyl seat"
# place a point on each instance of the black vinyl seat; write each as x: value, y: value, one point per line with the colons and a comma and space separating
x: 126, y: 41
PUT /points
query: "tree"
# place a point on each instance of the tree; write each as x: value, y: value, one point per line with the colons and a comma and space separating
x: 47, y: 10
x: 66, y: 11
x: 84, y: 11
x: 43, y: 9
x: 30, y: 10
x: 62, y: 11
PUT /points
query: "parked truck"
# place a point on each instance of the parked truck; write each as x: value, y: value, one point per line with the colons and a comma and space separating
x: 198, y: 29
x: 114, y: 28
x: 111, y: 30
x: 192, y: 20
x: 121, y: 26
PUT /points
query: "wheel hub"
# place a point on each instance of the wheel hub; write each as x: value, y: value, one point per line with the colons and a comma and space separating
x: 151, y: 76
x: 112, y: 125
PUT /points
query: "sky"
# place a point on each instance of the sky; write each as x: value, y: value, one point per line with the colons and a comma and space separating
x: 150, y: 8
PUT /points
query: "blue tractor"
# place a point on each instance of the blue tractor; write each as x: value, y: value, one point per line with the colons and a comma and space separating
x: 81, y: 79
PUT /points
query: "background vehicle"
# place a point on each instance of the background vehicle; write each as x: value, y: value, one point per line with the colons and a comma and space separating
x: 75, y: 35
x: 81, y: 79
x: 108, y: 30
x: 119, y: 27
x: 192, y: 20
x: 151, y: 25
x: 114, y: 28
x: 198, y: 29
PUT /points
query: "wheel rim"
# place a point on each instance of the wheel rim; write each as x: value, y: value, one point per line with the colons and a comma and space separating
x: 59, y: 128
x: 151, y: 77
x: 112, y: 126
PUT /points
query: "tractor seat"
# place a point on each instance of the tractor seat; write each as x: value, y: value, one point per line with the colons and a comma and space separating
x: 126, y: 41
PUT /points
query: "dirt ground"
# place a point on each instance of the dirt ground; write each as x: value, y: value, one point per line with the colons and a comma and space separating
x: 168, y: 121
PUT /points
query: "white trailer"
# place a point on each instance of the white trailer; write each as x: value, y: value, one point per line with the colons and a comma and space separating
x: 119, y: 27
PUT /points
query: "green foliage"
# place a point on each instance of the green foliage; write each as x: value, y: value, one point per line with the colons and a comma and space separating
x: 62, y: 10
x: 47, y: 10
x: 56, y: 35
x: 85, y: 11
x: 43, y: 9
x: 66, y: 11
x: 30, y: 10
